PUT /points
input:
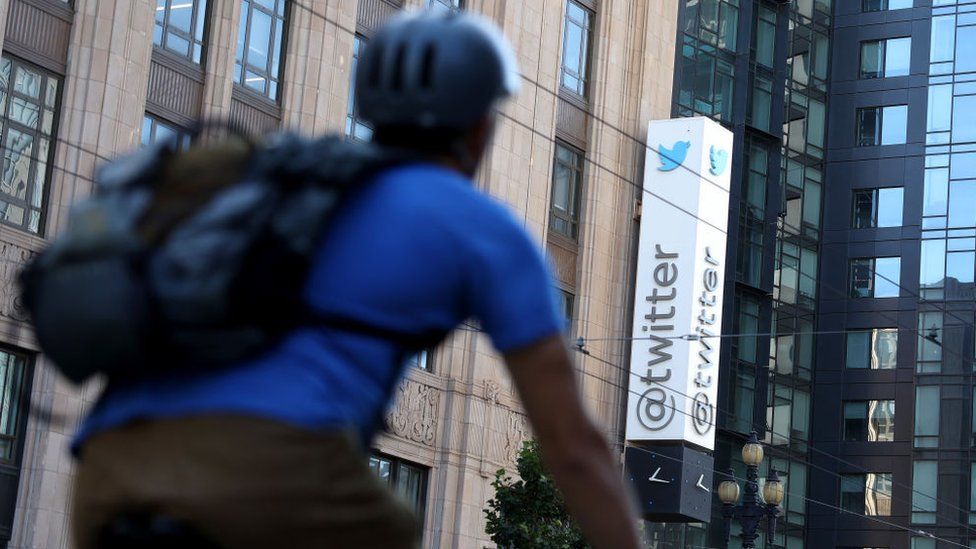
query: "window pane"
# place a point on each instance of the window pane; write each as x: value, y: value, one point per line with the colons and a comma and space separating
x: 887, y: 277
x: 897, y: 57
x: 964, y: 119
x: 932, y: 267
x: 877, y: 494
x: 940, y: 108
x: 962, y: 202
x: 864, y: 209
x: 852, y: 493
x: 943, y: 38
x: 858, y: 349
x: 868, y: 127
x: 927, y: 416
x: 925, y: 482
x: 881, y: 427
x: 894, y: 125
x: 766, y: 36
x: 890, y: 207
x: 884, y: 349
x: 855, y: 421
x: 935, y: 201
x: 872, y: 58
x: 965, y: 38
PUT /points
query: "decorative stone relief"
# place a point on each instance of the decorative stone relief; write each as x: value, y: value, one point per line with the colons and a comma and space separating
x: 415, y: 415
x: 515, y: 435
x: 12, y: 259
x: 492, y: 391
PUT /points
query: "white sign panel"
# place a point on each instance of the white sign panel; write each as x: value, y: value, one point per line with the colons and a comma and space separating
x: 680, y: 279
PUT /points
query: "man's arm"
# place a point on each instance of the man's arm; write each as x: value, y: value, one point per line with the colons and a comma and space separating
x: 572, y: 447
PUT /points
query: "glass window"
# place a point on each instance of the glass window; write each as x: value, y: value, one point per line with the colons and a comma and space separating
x: 880, y: 5
x: 179, y: 27
x: 576, y: 48
x: 897, y: 57
x: 972, y: 488
x: 866, y: 494
x: 765, y: 36
x: 567, y: 182
x: 925, y: 490
x: 420, y: 360
x: 259, y: 46
x: 943, y: 44
x: 14, y: 387
x: 923, y: 543
x: 155, y: 129
x: 929, y: 357
x: 568, y: 306
x: 927, y: 399
x: 876, y: 349
x: 28, y: 115
x: 407, y: 480
x: 875, y: 277
x: 939, y: 115
x: 356, y: 128
x: 443, y: 6
x: 965, y: 38
x: 882, y: 125
x: 869, y: 421
x: 760, y: 110
x: 747, y: 346
x: 878, y: 207
x: 963, y: 115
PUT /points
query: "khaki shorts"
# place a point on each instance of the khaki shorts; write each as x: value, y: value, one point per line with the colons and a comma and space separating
x: 242, y: 482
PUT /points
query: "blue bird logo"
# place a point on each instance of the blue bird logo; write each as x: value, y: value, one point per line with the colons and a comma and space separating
x: 673, y: 157
x: 719, y: 159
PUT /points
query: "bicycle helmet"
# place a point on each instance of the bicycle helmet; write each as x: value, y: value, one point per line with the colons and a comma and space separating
x: 434, y: 72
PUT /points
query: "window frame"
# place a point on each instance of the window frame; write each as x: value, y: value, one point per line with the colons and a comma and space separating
x: 874, y: 338
x: 573, y: 219
x: 884, y: 45
x: 356, y: 128
x: 36, y: 135
x: 869, y: 419
x: 874, y: 279
x: 191, y: 38
x: 395, y: 464
x: 863, y: 508
x: 585, y: 54
x: 26, y: 381
x: 878, y: 139
x: 242, y: 67
x: 155, y: 122
x: 875, y: 205
x: 445, y: 6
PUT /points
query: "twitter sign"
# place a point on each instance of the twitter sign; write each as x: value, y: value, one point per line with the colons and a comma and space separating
x: 680, y: 283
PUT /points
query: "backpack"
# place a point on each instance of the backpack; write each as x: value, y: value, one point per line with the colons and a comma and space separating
x: 194, y: 259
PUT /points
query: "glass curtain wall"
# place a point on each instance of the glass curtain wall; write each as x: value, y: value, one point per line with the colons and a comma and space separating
x: 732, y: 59
x: 944, y: 446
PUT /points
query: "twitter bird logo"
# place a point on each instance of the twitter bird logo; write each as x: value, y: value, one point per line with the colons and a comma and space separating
x: 719, y: 159
x: 673, y: 157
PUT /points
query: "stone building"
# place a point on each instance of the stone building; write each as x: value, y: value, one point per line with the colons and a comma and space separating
x: 82, y: 80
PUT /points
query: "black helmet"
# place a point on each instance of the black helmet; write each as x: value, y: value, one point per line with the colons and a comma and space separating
x: 434, y: 72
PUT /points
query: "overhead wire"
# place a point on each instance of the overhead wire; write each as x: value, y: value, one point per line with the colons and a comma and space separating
x: 589, y: 160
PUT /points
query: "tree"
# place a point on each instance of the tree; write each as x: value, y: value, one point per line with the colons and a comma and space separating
x: 528, y: 513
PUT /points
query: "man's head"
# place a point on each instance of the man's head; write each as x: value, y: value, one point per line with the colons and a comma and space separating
x: 431, y: 83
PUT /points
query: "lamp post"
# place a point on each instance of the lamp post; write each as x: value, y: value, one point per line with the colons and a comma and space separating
x: 751, y: 511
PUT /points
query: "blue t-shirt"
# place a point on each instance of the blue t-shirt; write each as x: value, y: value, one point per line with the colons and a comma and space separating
x: 417, y: 249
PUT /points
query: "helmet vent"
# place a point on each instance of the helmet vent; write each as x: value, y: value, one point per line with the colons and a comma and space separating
x: 427, y: 68
x: 398, y: 68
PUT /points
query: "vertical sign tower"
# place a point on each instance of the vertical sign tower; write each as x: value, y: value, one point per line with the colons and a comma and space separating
x: 673, y: 394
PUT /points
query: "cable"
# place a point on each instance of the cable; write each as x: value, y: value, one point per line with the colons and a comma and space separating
x: 788, y: 438
x: 913, y: 531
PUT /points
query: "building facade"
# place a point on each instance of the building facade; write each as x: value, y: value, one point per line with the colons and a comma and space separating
x: 895, y: 398
x: 83, y: 80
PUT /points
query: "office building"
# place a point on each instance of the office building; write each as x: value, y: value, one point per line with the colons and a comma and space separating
x: 83, y: 80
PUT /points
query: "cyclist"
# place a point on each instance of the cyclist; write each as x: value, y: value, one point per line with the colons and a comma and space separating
x: 270, y: 452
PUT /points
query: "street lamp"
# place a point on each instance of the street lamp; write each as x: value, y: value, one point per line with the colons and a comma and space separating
x: 751, y: 511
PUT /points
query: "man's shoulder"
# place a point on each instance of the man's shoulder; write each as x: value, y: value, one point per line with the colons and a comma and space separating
x: 444, y: 196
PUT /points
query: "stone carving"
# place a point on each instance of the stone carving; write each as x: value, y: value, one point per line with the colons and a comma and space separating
x: 415, y: 415
x: 492, y: 391
x: 516, y: 434
x: 12, y: 259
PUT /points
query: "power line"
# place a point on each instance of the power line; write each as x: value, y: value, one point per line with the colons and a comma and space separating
x: 913, y: 531
x: 787, y: 437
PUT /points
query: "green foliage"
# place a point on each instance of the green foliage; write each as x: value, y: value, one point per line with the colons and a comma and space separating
x: 529, y: 513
